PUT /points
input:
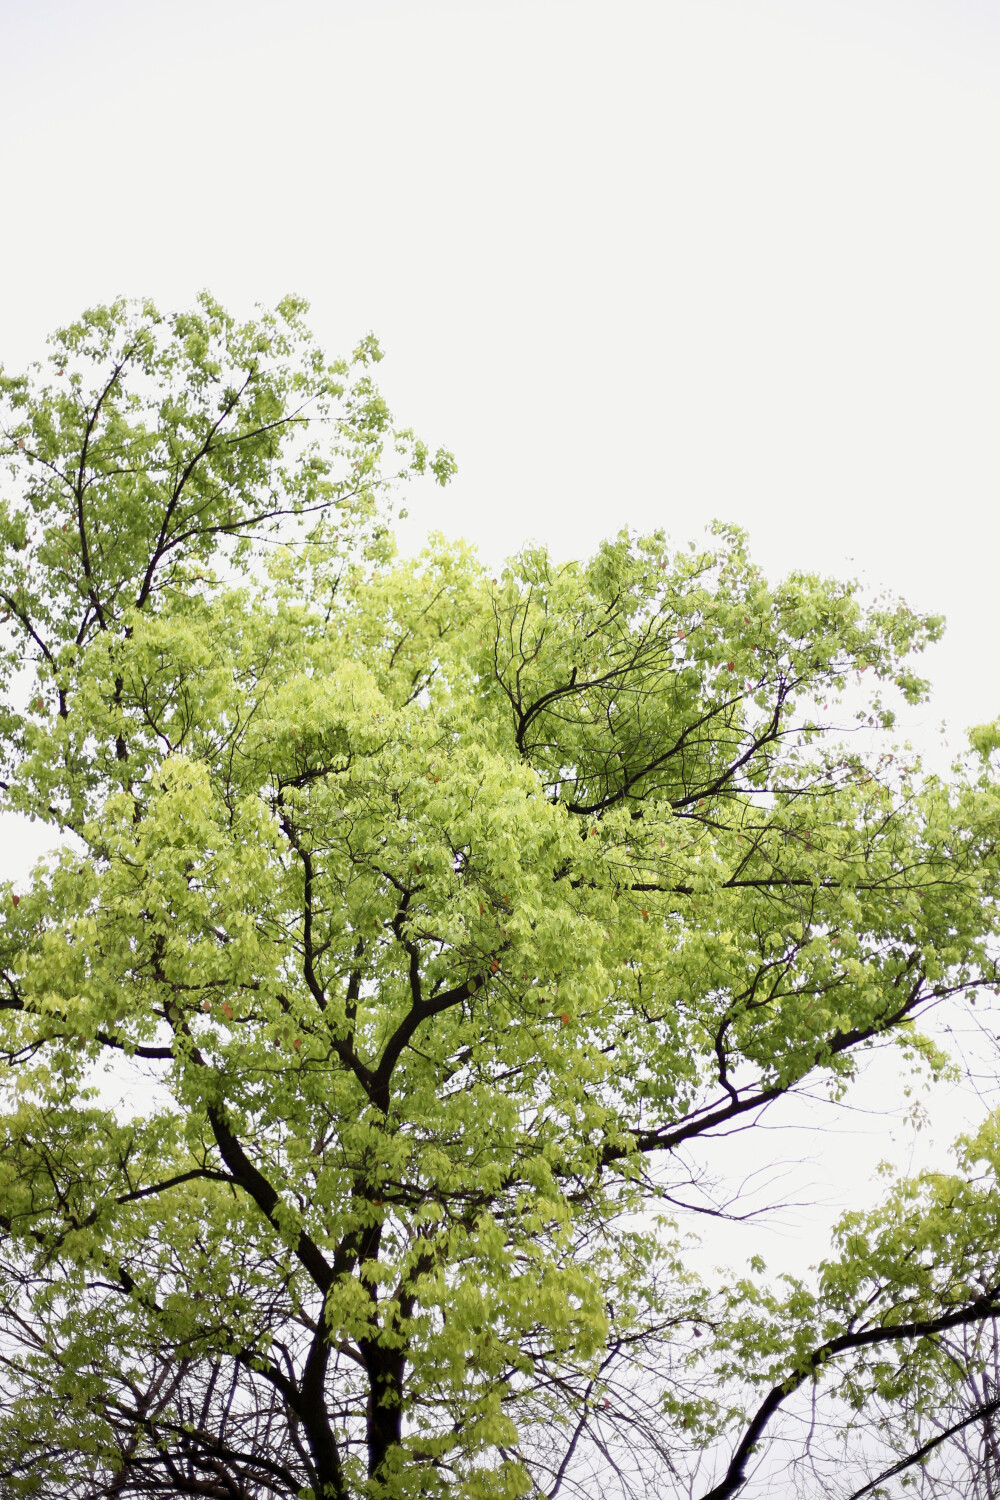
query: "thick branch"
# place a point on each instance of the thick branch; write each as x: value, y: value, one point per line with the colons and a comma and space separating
x: 265, y: 1196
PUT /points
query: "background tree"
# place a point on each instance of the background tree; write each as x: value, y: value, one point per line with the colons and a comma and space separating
x: 409, y: 924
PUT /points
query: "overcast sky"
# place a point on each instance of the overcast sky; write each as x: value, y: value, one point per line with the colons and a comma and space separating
x: 634, y: 263
x: 643, y: 263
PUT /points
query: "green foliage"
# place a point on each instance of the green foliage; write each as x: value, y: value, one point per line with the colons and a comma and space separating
x: 408, y: 923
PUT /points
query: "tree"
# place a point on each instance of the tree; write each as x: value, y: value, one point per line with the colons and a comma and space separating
x: 408, y: 925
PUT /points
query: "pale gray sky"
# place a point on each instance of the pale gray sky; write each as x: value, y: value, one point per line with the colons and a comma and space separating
x: 633, y: 262
x: 643, y: 263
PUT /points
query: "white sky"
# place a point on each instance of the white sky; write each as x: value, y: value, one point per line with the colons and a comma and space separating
x: 634, y: 263
x: 644, y: 263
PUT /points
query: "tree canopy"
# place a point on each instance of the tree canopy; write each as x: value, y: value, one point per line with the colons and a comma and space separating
x: 408, y: 924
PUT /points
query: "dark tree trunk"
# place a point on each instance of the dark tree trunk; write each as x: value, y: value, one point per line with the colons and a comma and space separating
x: 385, y: 1405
